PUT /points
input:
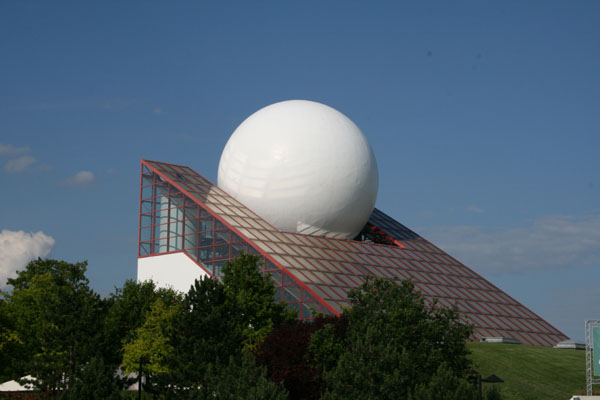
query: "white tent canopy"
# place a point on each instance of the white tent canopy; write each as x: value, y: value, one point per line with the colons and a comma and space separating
x: 15, y: 386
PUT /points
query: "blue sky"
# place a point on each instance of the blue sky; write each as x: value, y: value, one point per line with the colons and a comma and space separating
x: 484, y: 118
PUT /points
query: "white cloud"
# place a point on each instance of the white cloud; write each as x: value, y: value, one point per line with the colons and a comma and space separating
x: 81, y: 178
x: 473, y: 208
x: 11, y: 150
x: 548, y: 242
x: 17, y: 248
x: 19, y: 164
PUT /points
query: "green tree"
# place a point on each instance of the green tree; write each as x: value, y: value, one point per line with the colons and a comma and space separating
x: 217, y: 320
x: 251, y: 294
x: 96, y: 381
x: 395, y: 347
x: 152, y: 339
x: 241, y: 378
x: 204, y: 333
x: 57, y: 317
x: 444, y: 385
x: 9, y: 343
x: 127, y: 309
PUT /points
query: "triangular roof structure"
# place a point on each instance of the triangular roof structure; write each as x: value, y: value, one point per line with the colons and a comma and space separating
x: 181, y: 212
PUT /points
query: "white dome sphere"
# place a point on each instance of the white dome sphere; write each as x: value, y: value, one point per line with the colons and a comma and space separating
x: 304, y: 167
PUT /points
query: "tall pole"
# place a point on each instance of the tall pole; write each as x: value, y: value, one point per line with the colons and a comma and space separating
x: 140, y: 380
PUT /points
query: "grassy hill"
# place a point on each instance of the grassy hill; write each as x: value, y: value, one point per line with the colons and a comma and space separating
x: 531, y: 372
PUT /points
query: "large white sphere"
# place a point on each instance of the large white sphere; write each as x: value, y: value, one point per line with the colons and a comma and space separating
x: 304, y: 167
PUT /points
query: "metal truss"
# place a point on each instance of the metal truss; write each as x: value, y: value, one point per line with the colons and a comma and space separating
x: 589, y: 356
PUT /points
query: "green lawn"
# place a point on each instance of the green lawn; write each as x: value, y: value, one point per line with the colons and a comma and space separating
x: 531, y: 372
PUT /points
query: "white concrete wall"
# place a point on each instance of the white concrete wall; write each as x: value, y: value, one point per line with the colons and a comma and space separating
x: 175, y: 270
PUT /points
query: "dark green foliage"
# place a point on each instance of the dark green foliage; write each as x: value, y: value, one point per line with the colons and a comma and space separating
x: 389, y: 345
x: 444, y: 385
x: 217, y: 321
x: 9, y: 343
x: 395, y: 347
x: 96, y: 381
x: 57, y: 318
x: 204, y: 333
x: 251, y: 294
x: 327, y: 344
x: 241, y: 378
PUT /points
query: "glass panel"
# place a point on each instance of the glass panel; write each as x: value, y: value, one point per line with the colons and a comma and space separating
x: 176, y: 199
x: 192, y: 253
x: 145, y: 249
x: 269, y: 265
x: 222, y: 251
x: 276, y: 278
x: 307, y: 311
x: 206, y: 224
x: 252, y: 250
x: 326, y: 310
x: 205, y: 253
x: 146, y: 220
x: 147, y: 192
x: 160, y: 231
x: 146, y: 234
x: 236, y: 248
x: 147, y: 179
x: 219, y: 267
x: 175, y: 243
x: 159, y: 246
x: 191, y: 211
x: 220, y: 225
x: 191, y: 225
x: 162, y: 203
x: 176, y: 228
x: 208, y: 266
x: 287, y: 280
x: 175, y: 214
x: 189, y: 241
x: 291, y: 293
x: 147, y: 206
x: 307, y: 296
x: 222, y: 236
x: 162, y: 189
x: 205, y: 239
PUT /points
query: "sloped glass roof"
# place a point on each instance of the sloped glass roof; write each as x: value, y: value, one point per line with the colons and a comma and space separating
x: 324, y: 269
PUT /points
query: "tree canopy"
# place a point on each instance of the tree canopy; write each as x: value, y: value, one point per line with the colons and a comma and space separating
x: 57, y: 319
x: 395, y: 347
x: 228, y: 339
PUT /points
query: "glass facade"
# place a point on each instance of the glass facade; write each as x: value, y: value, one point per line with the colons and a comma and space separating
x: 171, y: 221
x: 181, y: 211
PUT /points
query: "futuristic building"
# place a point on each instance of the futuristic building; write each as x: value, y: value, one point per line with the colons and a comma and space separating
x: 190, y: 228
